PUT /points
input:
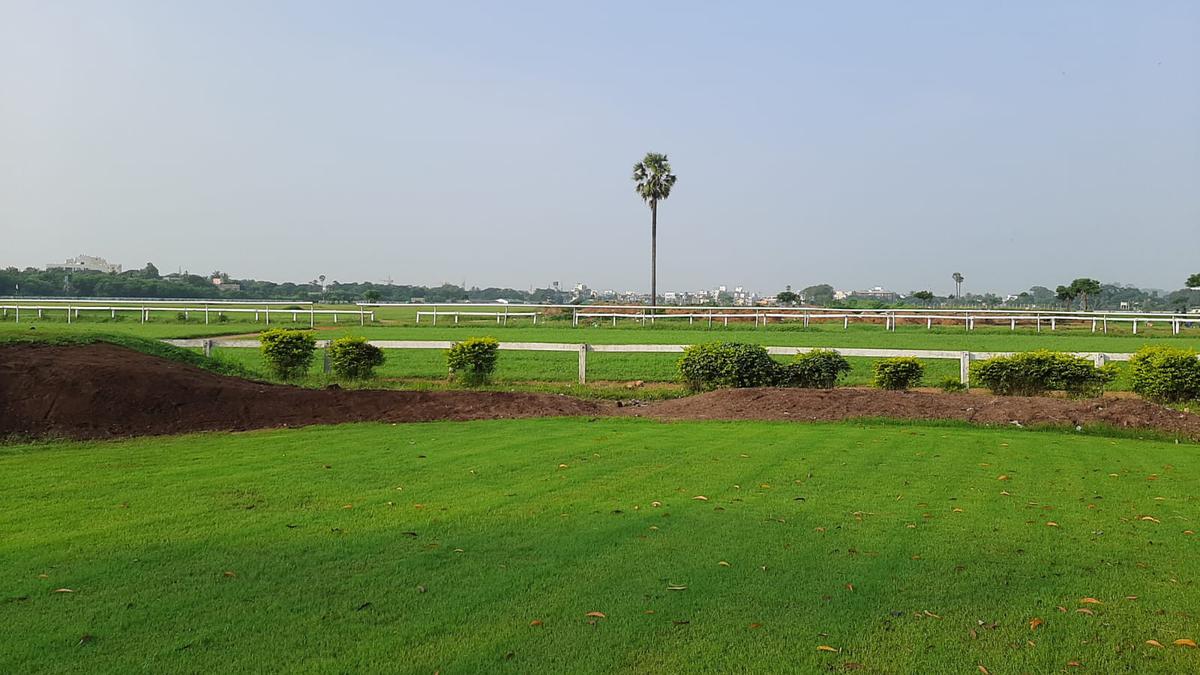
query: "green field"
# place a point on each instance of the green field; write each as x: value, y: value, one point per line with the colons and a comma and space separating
x: 557, y: 371
x: 482, y: 547
x: 983, y: 338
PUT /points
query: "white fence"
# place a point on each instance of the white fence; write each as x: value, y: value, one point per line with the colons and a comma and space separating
x: 500, y: 317
x: 264, y: 311
x: 762, y: 316
x: 964, y: 358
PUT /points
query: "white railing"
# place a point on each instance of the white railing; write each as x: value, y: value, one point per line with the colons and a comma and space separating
x: 144, y: 311
x: 761, y: 316
x: 500, y: 317
x: 964, y: 358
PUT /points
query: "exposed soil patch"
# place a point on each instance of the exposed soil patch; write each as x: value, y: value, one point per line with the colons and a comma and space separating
x: 102, y: 390
x: 839, y: 404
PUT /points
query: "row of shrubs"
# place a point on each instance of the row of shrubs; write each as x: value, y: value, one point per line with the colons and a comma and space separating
x: 734, y: 364
x: 289, y: 354
x: 1161, y: 374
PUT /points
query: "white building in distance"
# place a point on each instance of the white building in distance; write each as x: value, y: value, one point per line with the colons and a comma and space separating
x: 85, y: 263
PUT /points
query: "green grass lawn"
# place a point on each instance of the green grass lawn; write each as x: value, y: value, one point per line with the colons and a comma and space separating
x: 482, y: 547
x: 989, y: 338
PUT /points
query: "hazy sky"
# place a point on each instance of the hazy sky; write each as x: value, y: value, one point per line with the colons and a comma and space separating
x: 854, y: 143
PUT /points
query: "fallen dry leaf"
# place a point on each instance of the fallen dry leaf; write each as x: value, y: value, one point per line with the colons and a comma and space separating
x: 535, y: 622
x: 723, y: 564
x: 656, y: 504
x: 1085, y: 610
x: 755, y: 625
x: 1004, y: 493
x: 1051, y: 523
x: 676, y: 588
x: 1151, y: 519
x: 850, y: 587
x: 827, y: 648
x: 230, y: 573
x: 701, y: 498
x: 598, y: 615
x: 1185, y: 642
x: 931, y: 615
x: 63, y: 590
x: 1074, y: 664
x: 1189, y: 532
x: 1090, y: 601
x: 1034, y: 623
x: 1002, y: 476
x: 1154, y: 643
x: 1061, y: 608
x: 983, y: 669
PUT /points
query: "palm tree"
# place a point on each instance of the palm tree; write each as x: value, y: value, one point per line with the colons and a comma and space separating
x: 653, y: 180
x: 958, y: 279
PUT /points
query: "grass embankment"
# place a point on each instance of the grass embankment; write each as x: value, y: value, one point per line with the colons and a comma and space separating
x: 138, y: 343
x: 483, y: 547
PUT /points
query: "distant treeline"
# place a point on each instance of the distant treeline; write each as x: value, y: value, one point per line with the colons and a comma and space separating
x: 148, y: 283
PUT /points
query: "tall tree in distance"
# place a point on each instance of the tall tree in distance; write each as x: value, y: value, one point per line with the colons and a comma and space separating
x: 1065, y: 295
x: 653, y: 182
x: 958, y: 279
x: 1084, y: 288
x: 1193, y: 281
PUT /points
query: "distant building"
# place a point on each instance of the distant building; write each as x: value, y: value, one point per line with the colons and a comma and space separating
x: 85, y: 263
x: 876, y: 293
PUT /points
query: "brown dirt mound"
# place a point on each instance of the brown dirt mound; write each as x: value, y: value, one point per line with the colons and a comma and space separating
x: 840, y: 404
x: 101, y: 390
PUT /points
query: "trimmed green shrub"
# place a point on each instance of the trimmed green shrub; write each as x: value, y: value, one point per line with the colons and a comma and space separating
x: 354, y: 358
x: 288, y: 352
x: 898, y: 373
x: 1034, y: 373
x: 727, y: 364
x: 473, y: 360
x: 818, y: 369
x: 1166, y: 374
x: 952, y: 385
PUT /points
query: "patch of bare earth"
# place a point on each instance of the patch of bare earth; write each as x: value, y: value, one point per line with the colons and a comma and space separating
x: 841, y: 404
x: 103, y: 391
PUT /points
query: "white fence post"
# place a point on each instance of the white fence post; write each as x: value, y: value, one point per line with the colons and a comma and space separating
x: 583, y: 350
x: 964, y: 369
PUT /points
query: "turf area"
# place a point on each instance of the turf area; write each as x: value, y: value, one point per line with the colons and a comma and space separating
x: 483, y: 547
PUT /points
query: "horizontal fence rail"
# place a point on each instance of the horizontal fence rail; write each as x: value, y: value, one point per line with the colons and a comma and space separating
x: 761, y: 316
x: 582, y: 349
x: 311, y: 313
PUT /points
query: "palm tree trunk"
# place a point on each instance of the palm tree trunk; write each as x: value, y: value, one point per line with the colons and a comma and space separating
x: 653, y: 255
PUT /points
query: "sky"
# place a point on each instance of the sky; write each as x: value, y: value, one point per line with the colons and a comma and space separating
x: 852, y: 143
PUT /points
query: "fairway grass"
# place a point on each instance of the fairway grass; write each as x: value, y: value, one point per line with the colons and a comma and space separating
x: 483, y: 546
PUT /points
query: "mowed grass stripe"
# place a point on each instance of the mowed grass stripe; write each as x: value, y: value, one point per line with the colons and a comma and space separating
x: 144, y: 530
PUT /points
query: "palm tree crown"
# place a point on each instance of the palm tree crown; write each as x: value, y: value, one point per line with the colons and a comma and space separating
x: 653, y: 178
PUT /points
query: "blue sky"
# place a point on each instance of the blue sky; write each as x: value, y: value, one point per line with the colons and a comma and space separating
x: 855, y: 143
